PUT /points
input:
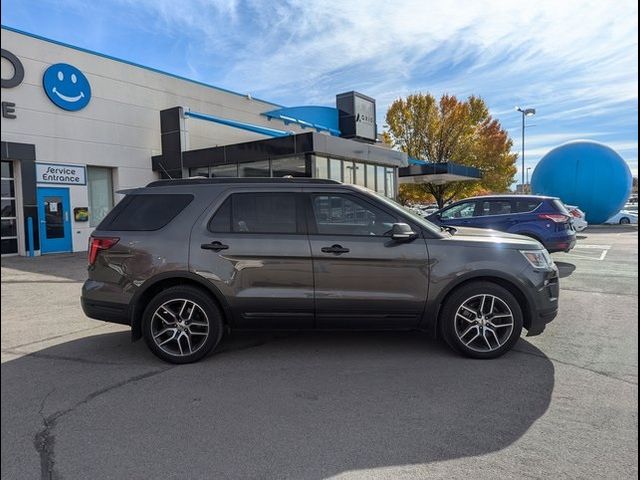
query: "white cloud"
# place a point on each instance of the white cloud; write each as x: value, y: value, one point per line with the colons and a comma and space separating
x: 575, y: 61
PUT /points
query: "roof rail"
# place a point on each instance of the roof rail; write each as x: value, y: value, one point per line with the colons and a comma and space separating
x: 235, y: 180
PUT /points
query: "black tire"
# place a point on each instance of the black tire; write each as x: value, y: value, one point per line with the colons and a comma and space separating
x: 625, y: 221
x: 466, y: 292
x: 209, y: 313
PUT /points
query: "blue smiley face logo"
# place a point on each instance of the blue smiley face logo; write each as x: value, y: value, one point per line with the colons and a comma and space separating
x: 66, y: 86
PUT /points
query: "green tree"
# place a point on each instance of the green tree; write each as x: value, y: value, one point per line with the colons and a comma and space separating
x: 450, y: 130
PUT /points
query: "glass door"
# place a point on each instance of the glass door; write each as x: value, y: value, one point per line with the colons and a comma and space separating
x: 55, y: 220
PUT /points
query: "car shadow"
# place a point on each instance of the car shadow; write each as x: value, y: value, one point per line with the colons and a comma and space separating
x: 303, y: 405
x: 565, y: 269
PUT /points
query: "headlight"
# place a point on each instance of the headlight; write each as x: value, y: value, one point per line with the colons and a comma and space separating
x: 538, y: 258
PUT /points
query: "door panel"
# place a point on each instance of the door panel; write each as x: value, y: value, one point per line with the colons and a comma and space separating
x: 378, y: 283
x: 363, y: 278
x: 55, y: 220
x: 267, y: 278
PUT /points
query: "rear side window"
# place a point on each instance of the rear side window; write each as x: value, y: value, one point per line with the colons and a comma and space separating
x: 256, y: 213
x: 495, y: 207
x: 526, y: 205
x: 145, y: 212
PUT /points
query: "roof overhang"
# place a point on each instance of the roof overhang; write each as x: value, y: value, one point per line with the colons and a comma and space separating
x: 437, y: 173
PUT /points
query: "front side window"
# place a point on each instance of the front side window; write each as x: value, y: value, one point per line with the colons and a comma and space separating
x: 337, y: 214
x: 463, y: 210
x: 256, y: 213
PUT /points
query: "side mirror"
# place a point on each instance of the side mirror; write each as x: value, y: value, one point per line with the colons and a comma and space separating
x: 402, y: 232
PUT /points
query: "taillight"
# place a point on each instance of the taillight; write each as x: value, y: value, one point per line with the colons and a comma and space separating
x: 99, y: 243
x: 554, y: 217
x: 576, y: 213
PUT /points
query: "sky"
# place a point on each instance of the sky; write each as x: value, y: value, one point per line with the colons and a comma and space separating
x: 575, y: 62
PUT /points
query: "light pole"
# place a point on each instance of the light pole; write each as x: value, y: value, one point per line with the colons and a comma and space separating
x: 526, y: 112
x: 528, y: 168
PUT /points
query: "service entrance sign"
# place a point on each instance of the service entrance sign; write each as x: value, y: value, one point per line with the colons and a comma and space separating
x: 61, y: 174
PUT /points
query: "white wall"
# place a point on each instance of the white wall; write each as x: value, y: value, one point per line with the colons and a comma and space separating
x: 120, y: 126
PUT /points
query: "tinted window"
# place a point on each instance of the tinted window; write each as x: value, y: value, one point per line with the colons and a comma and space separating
x: 463, y: 210
x: 495, y: 207
x: 526, y: 205
x: 145, y: 212
x: 221, y: 220
x: 337, y: 214
x: 256, y: 213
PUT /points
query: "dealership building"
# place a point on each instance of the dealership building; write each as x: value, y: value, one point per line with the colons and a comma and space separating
x: 78, y: 126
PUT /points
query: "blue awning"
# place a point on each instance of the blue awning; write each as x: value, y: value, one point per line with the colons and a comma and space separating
x: 271, y: 132
x: 318, y: 118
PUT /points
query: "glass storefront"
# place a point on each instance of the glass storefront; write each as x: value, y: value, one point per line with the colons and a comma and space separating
x: 335, y: 169
x: 377, y: 178
x: 254, y: 169
x: 9, y: 229
x: 224, y: 171
x: 100, y: 184
x: 278, y: 167
x: 294, y: 166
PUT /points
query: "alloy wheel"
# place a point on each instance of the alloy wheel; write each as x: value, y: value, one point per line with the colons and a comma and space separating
x: 484, y: 323
x: 179, y: 327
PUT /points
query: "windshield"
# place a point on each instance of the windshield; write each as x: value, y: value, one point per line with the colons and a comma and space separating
x: 405, y: 211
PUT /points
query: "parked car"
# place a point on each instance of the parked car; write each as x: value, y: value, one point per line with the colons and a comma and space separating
x: 624, y: 217
x: 544, y: 219
x: 579, y: 218
x: 631, y: 207
x: 181, y: 261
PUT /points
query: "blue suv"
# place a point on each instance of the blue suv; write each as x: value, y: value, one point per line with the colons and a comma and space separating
x: 545, y: 219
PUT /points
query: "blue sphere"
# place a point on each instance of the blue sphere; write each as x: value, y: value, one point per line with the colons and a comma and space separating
x: 587, y: 174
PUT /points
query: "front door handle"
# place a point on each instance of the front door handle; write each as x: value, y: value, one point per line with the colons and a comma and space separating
x: 337, y: 249
x: 215, y: 246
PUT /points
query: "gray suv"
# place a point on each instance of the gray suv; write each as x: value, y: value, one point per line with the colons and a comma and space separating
x: 181, y: 261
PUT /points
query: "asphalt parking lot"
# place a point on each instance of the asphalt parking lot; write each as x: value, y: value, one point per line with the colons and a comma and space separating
x: 79, y: 400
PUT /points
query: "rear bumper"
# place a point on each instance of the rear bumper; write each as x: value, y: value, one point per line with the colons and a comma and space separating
x: 105, y: 311
x: 563, y: 244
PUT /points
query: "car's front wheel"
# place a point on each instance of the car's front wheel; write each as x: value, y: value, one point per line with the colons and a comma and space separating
x: 182, y: 324
x: 481, y: 320
x: 625, y: 221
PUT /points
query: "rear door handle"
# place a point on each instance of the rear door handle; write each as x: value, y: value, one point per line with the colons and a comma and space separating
x: 338, y: 249
x: 215, y: 246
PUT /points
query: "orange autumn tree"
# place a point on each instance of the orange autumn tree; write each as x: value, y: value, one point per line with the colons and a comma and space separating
x: 450, y: 130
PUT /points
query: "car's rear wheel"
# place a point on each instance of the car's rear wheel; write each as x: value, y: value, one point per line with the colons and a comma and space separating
x: 625, y: 221
x: 481, y: 320
x: 182, y: 324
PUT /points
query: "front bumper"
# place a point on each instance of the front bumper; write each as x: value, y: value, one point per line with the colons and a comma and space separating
x: 544, y: 302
